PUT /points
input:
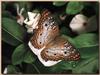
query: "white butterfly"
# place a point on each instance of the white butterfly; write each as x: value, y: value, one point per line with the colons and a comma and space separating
x: 49, y: 46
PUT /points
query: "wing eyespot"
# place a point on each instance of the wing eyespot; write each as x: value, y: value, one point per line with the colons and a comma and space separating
x: 47, y: 51
x: 46, y: 24
x: 41, y: 34
x: 65, y: 52
x: 54, y: 54
x: 40, y: 42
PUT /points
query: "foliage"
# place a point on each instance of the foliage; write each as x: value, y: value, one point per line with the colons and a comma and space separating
x: 14, y: 34
x: 22, y: 54
x: 11, y: 29
x: 74, y: 7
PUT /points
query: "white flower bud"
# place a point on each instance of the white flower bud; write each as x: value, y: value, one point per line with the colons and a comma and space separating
x: 82, y: 24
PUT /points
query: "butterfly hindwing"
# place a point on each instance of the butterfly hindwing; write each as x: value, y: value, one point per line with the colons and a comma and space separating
x: 60, y: 49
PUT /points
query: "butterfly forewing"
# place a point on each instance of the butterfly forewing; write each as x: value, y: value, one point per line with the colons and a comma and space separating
x: 46, y: 32
x: 60, y: 49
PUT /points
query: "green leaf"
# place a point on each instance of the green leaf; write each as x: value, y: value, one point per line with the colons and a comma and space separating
x: 9, y: 39
x: 18, y: 54
x: 11, y: 69
x: 60, y: 67
x: 13, y: 29
x: 90, y: 65
x: 74, y: 7
x: 29, y: 57
x: 21, y: 54
x: 59, y: 3
x: 86, y: 40
x: 87, y: 52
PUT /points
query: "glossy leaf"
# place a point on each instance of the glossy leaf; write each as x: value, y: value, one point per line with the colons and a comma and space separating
x: 9, y: 39
x: 87, y: 52
x: 60, y: 67
x: 29, y: 57
x: 86, y: 40
x: 21, y: 54
x: 18, y: 54
x: 13, y: 29
x: 74, y: 7
x: 90, y: 65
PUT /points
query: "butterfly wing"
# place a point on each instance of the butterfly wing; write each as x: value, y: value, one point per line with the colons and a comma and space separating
x: 60, y: 49
x: 46, y: 32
